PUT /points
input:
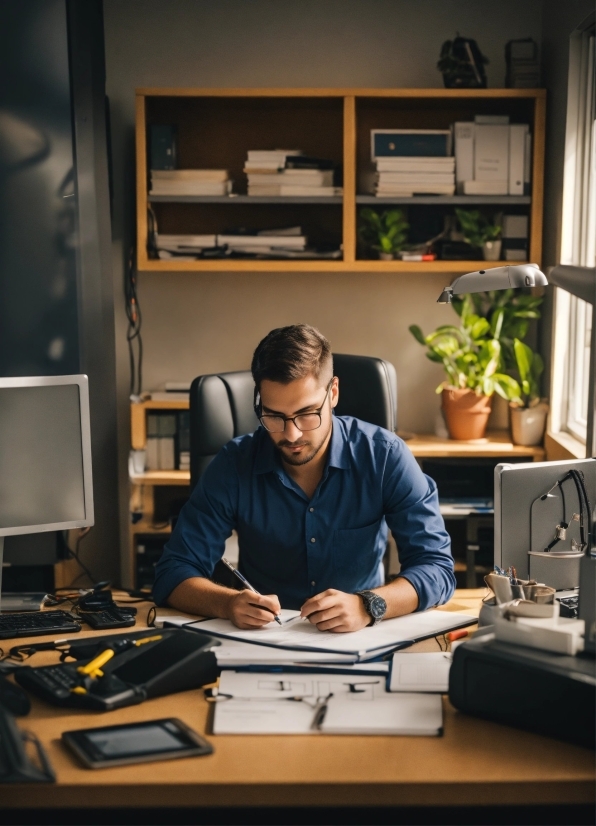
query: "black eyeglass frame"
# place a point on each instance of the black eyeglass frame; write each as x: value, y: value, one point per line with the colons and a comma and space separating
x: 260, y: 415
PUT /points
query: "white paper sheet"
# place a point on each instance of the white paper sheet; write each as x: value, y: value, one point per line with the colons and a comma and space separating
x: 301, y: 634
x: 406, y: 714
x: 289, y: 704
x: 420, y: 672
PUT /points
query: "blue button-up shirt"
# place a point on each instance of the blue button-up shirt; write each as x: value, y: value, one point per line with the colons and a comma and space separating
x: 296, y: 547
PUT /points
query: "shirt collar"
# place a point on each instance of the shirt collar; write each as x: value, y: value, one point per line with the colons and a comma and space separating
x: 267, y: 460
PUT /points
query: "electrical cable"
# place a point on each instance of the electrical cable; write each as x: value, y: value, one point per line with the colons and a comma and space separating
x: 133, y: 332
x: 76, y: 555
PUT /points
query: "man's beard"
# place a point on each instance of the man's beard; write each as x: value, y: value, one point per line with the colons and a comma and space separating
x: 303, y: 460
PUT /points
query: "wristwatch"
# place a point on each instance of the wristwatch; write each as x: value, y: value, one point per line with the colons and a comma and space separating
x: 374, y: 605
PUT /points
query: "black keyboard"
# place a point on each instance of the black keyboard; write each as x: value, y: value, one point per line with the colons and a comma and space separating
x: 52, y: 682
x: 33, y: 625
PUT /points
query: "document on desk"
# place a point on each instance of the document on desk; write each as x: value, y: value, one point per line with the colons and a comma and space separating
x: 300, y: 634
x: 420, y: 672
x: 318, y: 703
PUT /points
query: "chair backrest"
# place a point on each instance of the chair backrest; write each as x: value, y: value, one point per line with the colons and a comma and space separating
x: 221, y: 405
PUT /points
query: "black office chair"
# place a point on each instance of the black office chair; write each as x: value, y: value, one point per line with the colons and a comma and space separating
x: 221, y: 405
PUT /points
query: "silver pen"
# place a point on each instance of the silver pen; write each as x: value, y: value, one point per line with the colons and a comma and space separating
x: 247, y: 584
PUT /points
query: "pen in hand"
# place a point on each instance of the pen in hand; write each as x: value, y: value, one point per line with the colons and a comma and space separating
x: 247, y: 584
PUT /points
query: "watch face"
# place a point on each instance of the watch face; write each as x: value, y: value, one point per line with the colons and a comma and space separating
x: 378, y: 607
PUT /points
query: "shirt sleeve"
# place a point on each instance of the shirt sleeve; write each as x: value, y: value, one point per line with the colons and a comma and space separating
x: 412, y: 513
x: 205, y: 522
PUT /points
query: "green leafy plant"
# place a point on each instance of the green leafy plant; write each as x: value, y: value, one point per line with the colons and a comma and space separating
x: 526, y: 392
x: 470, y: 354
x: 476, y: 227
x: 508, y: 312
x: 383, y: 231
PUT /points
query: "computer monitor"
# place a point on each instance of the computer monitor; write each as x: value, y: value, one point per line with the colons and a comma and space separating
x: 525, y: 521
x: 45, y: 455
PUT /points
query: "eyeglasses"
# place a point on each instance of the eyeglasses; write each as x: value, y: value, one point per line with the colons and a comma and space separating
x: 303, y: 422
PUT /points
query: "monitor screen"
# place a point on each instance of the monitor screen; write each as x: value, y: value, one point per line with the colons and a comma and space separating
x: 45, y: 475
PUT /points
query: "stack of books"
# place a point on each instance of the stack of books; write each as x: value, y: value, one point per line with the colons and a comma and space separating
x: 289, y: 173
x: 190, y: 182
x: 492, y: 156
x: 412, y: 162
x: 285, y: 243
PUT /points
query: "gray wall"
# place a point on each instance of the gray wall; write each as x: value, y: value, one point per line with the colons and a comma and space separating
x: 198, y: 323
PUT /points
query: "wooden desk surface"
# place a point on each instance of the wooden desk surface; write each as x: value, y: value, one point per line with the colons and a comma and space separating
x: 474, y: 763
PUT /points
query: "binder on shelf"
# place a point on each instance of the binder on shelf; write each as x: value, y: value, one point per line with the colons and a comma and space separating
x: 463, y: 135
x: 163, y: 146
x: 517, y: 152
x: 491, y: 153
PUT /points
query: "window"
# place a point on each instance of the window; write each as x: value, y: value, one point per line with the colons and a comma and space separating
x: 573, y: 317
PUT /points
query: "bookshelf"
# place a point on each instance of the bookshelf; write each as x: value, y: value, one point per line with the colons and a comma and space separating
x: 216, y: 127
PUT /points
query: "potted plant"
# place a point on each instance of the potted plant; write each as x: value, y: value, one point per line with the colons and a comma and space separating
x: 528, y: 410
x: 479, y: 232
x: 384, y: 231
x: 470, y: 355
x: 509, y: 313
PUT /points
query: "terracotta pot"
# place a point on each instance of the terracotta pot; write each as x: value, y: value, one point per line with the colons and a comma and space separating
x: 466, y: 413
x: 528, y: 423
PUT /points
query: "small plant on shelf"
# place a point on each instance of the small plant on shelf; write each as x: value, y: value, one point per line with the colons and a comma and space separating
x: 528, y: 410
x: 386, y: 232
x: 480, y: 232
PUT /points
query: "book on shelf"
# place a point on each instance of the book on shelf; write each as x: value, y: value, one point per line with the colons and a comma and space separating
x: 515, y: 237
x: 415, y: 164
x: 295, y: 190
x: 415, y: 177
x: 486, y: 187
x: 387, y: 143
x: 272, y: 155
x: 244, y: 240
x: 463, y: 142
x: 302, y: 177
x: 410, y: 190
x: 491, y: 152
x: 203, y: 175
x: 174, y: 188
x: 179, y: 243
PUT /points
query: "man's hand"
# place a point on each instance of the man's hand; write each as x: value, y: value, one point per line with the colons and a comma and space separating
x: 336, y: 611
x: 249, y: 610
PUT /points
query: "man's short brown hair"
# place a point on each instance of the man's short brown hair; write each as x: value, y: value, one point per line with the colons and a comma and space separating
x: 290, y: 353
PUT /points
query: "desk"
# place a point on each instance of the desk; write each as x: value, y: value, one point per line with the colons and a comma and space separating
x: 474, y: 763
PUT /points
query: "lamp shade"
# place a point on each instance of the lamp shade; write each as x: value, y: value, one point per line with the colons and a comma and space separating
x: 496, y: 278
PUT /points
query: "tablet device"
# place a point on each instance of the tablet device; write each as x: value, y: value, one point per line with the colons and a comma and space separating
x: 143, y: 742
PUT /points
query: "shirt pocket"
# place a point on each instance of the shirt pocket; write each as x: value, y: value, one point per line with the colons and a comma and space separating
x: 356, y: 553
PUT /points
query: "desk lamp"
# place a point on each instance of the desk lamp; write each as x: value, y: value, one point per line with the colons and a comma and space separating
x: 581, y: 282
x: 497, y: 278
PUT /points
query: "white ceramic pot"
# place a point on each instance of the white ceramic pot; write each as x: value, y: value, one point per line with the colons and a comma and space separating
x: 491, y: 250
x: 528, y: 423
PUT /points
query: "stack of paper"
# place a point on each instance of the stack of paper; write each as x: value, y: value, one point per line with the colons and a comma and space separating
x: 315, y: 703
x: 190, y: 182
x: 298, y: 634
x: 270, y: 173
x: 408, y: 176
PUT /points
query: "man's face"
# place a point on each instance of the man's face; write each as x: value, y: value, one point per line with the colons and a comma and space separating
x: 302, y: 396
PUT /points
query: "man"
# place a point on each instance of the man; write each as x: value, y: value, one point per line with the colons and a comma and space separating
x: 311, y: 495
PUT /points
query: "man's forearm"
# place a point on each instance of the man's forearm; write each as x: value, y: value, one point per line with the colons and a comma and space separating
x: 200, y: 596
x: 400, y: 596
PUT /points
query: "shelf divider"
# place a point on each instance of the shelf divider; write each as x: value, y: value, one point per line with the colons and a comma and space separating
x: 349, y: 215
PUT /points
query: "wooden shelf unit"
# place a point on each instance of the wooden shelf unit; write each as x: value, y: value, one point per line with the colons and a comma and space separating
x: 216, y: 127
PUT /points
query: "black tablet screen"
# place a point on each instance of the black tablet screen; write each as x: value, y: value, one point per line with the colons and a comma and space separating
x: 146, y: 739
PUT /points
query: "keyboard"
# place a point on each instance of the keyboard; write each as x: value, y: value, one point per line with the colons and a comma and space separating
x: 33, y: 625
